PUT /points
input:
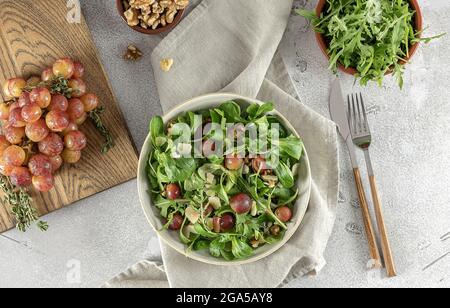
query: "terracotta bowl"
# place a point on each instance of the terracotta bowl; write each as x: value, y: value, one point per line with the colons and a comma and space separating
x: 321, y: 6
x: 176, y: 21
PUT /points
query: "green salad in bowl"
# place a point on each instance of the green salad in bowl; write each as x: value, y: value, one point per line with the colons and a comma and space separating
x: 223, y: 181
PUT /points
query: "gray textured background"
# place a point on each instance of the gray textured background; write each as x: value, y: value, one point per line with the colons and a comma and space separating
x: 107, y: 233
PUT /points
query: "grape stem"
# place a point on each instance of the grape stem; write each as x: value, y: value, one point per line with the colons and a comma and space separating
x: 20, y: 201
x: 95, y: 116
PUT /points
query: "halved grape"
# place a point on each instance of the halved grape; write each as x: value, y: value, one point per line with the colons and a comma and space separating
x: 37, y: 131
x: 20, y: 177
x: 76, y: 109
x: 31, y: 113
x: 259, y: 164
x: 52, y: 145
x: 75, y: 141
x: 90, y: 101
x: 14, y: 135
x: 16, y: 119
x: 78, y: 87
x: 41, y: 96
x: 43, y: 183
x: 71, y: 157
x: 57, y: 121
x: 14, y: 155
x: 177, y: 222
x: 40, y: 165
x: 58, y: 103
x: 283, y: 213
x: 227, y: 222
x: 173, y: 191
x: 78, y: 70
x: 64, y: 68
x: 233, y: 162
x: 241, y: 203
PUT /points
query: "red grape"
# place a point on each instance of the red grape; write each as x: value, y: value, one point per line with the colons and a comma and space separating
x: 81, y: 119
x: 71, y: 157
x: 259, y: 164
x: 75, y: 141
x: 233, y: 162
x: 14, y: 135
x: 56, y: 162
x: 227, y: 222
x: 58, y: 102
x: 4, y: 144
x: 41, y: 96
x: 37, y: 131
x: 40, y: 165
x: 43, y: 183
x: 47, y: 74
x: 52, y: 145
x: 24, y: 99
x: 14, y: 155
x: 78, y: 87
x: 20, y: 177
x: 283, y: 213
x: 173, y: 191
x: 241, y: 203
x: 76, y: 109
x: 57, y: 121
x: 78, y: 70
x: 4, y: 111
x: 14, y: 87
x: 64, y: 68
x: 90, y: 101
x: 5, y: 168
x: 31, y: 113
x: 16, y: 119
x: 177, y: 222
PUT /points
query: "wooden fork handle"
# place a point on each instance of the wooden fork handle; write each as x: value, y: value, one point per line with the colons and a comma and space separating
x: 385, y: 245
x: 371, y: 239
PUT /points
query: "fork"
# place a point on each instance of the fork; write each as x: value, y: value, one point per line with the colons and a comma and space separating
x: 362, y: 138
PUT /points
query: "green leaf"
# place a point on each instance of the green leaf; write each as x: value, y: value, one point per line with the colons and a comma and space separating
x: 195, y: 182
x: 156, y: 129
x: 216, y: 247
x: 240, y: 249
x: 290, y: 146
x: 231, y: 111
x: 164, y: 205
x: 284, y: 175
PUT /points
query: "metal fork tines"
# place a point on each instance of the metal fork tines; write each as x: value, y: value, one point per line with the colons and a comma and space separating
x: 359, y: 124
x: 362, y: 138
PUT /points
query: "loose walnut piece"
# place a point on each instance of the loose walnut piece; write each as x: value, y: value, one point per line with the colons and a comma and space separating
x: 152, y: 13
x: 166, y: 64
x: 133, y: 53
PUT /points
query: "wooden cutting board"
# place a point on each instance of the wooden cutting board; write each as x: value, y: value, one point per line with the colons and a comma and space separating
x: 32, y: 35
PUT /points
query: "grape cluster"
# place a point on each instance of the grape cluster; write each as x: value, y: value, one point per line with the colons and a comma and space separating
x: 40, y: 124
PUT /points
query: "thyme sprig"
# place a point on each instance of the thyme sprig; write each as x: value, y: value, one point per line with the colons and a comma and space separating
x: 25, y: 214
x: 95, y: 116
x: 57, y: 85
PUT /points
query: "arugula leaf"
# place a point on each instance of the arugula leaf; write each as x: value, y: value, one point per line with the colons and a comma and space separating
x: 372, y: 36
x: 240, y: 249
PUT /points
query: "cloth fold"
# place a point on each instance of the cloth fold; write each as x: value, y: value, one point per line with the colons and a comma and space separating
x: 231, y: 46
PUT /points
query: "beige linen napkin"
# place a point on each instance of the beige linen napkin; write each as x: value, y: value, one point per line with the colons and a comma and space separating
x: 231, y: 46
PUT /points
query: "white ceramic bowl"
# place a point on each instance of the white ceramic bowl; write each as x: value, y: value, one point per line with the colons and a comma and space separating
x: 172, y: 238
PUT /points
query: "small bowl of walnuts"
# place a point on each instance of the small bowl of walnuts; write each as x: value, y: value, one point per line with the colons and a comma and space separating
x: 152, y: 16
